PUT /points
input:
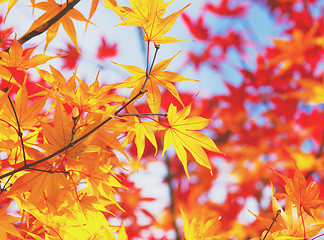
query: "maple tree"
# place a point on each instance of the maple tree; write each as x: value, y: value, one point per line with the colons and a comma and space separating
x: 73, y: 149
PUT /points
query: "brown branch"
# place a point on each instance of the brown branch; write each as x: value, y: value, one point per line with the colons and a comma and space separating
x: 72, y: 143
x: 148, y: 72
x: 20, y: 134
x: 42, y: 28
x: 273, y: 221
x: 320, y: 150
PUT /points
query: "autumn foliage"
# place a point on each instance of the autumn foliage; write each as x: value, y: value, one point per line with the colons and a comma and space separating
x: 73, y: 149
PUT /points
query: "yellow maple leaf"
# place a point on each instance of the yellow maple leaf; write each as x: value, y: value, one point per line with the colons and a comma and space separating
x: 22, y: 61
x: 158, y: 76
x: 181, y: 134
x: 312, y: 90
x: 52, y: 9
x: 148, y: 15
x: 141, y: 130
x: 200, y: 228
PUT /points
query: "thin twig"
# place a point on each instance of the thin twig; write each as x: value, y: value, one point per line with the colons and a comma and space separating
x: 20, y: 134
x: 4, y: 186
x: 48, y: 171
x: 274, y: 220
x: 143, y: 114
x: 148, y: 72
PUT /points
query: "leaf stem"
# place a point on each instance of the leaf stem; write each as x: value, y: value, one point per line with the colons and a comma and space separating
x: 302, y: 218
x: 147, y: 58
x: 273, y: 221
x: 4, y: 186
x: 148, y: 72
x: 143, y: 114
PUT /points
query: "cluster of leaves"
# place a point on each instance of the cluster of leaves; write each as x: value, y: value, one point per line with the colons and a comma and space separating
x: 69, y: 149
x: 60, y: 162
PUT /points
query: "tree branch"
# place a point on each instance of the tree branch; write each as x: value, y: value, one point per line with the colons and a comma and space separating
x: 42, y: 28
x: 71, y: 144
x: 20, y: 134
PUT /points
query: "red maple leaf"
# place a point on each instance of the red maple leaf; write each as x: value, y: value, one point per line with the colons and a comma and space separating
x: 224, y: 9
x: 197, y: 29
x: 71, y: 57
x: 106, y: 50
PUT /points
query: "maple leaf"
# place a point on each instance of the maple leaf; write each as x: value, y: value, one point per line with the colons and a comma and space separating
x: 139, y: 130
x: 106, y: 50
x: 224, y: 9
x: 98, y: 176
x: 143, y: 12
x: 6, y: 226
x: 294, y: 51
x: 201, y: 228
x: 289, y: 224
x: 42, y: 189
x: 70, y: 57
x: 85, y: 98
x: 26, y: 114
x: 312, y: 92
x: 157, y: 77
x: 299, y: 193
x: 21, y: 60
x: 52, y: 9
x: 155, y: 30
x: 61, y: 135
x: 147, y: 14
x: 198, y: 30
x: 181, y: 134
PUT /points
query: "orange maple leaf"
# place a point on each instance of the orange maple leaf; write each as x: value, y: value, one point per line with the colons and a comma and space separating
x: 43, y: 189
x: 158, y: 76
x: 147, y: 14
x: 22, y: 61
x: 52, y: 9
x: 182, y: 135
x: 6, y: 224
x: 299, y: 193
x: 25, y: 114
x: 85, y: 98
x: 288, y: 223
x: 294, y: 51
